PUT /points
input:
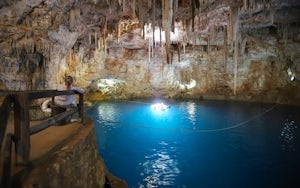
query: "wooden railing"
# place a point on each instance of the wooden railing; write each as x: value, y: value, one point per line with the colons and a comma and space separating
x: 19, y: 101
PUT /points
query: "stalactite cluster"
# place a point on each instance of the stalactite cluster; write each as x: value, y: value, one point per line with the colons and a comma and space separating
x: 77, y: 33
x: 160, y: 13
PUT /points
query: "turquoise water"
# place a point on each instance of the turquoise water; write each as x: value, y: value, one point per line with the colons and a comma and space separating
x: 199, y: 143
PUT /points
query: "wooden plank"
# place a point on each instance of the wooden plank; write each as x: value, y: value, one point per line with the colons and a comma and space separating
x: 52, y: 121
x: 21, y: 126
x: 38, y: 93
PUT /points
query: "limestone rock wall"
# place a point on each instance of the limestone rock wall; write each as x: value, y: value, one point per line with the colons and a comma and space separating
x: 246, y: 50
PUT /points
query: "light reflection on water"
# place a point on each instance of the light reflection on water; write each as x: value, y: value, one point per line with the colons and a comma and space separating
x: 109, y: 112
x: 288, y: 135
x: 191, y: 110
x: 159, y: 168
x: 172, y: 148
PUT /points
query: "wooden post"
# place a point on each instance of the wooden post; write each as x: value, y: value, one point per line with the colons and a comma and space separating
x: 6, y: 168
x: 81, y: 108
x: 4, y: 111
x: 22, y: 125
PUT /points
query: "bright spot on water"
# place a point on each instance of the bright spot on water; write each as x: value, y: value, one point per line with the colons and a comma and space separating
x: 288, y: 134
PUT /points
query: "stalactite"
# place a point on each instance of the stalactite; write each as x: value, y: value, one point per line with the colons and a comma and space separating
x: 72, y: 18
x: 236, y: 43
x: 286, y: 32
x: 95, y: 39
x: 225, y: 47
x: 70, y: 59
x: 245, y: 4
x: 99, y: 44
x: 193, y: 14
x: 32, y: 46
x: 199, y: 13
x: 167, y: 24
x: 243, y: 46
x: 152, y: 51
x: 110, y: 8
x: 167, y: 31
x: 124, y: 6
x: 104, y: 35
x: 175, y: 6
x: 173, y: 17
x: 149, y: 50
x: 198, y: 5
x: 187, y: 30
x: 230, y: 28
x: 140, y: 8
x: 165, y: 27
x: 149, y: 4
x: 141, y: 15
x: 119, y: 32
x: 160, y: 35
x: 104, y: 43
x: 153, y: 19
x: 208, y: 44
x: 178, y: 51
x: 133, y: 8
x: 253, y: 3
x: 163, y: 14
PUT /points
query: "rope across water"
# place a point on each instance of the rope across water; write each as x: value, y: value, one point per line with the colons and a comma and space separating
x: 195, y: 130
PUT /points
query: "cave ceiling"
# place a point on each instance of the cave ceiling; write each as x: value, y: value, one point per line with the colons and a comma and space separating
x: 22, y: 21
x: 106, y: 14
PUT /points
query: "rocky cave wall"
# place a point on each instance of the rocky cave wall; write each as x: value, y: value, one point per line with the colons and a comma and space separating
x: 239, y: 50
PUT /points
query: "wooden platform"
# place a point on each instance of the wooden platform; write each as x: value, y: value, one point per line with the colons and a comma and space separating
x: 45, y: 142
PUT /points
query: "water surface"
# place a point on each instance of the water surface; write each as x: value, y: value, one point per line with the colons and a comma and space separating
x: 199, y: 143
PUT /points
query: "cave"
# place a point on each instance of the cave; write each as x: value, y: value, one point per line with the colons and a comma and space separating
x: 231, y: 50
x: 242, y: 50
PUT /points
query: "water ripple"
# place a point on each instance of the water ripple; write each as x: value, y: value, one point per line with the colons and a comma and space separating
x: 288, y: 135
x: 159, y: 168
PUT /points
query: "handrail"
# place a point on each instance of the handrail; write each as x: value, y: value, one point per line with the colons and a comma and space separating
x: 22, y: 131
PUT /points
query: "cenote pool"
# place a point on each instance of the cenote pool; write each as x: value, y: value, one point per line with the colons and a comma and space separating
x: 199, y: 143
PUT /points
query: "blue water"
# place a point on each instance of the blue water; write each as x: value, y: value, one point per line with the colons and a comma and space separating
x: 199, y: 143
